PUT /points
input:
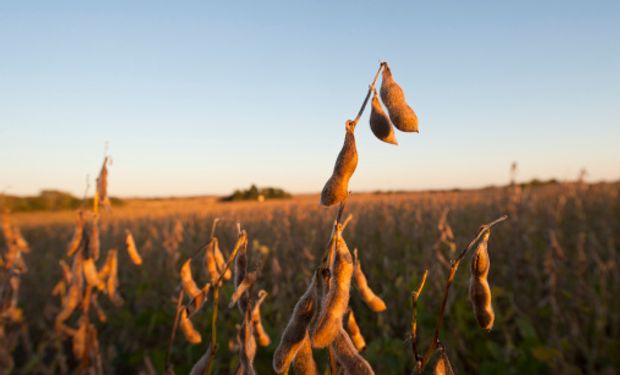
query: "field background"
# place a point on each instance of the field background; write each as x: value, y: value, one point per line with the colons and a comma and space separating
x: 556, y: 302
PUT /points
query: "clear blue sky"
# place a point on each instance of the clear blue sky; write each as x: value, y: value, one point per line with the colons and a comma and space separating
x: 201, y: 97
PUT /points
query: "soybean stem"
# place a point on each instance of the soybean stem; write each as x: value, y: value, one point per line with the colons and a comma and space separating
x: 415, y: 295
x: 242, y: 241
x: 175, y: 325
x: 370, y: 90
x: 213, y: 226
x: 453, y: 268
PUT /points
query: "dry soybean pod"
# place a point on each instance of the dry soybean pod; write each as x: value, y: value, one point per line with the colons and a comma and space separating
x: 112, y: 283
x: 132, y: 250
x: 259, y: 331
x: 354, y: 331
x: 336, y: 300
x: 479, y: 289
x: 201, y: 366
x: 219, y: 260
x: 304, y: 363
x: 239, y: 295
x: 79, y: 339
x: 373, y: 301
x: 443, y: 366
x: 480, y: 263
x: 210, y: 263
x: 336, y: 188
x: 189, y: 285
x: 102, y: 184
x: 188, y: 329
x: 380, y: 123
x: 241, y: 264
x: 297, y: 328
x: 91, y: 275
x: 69, y: 304
x: 392, y: 95
x: 348, y: 357
x: 480, y: 296
x: 247, y: 349
x: 77, y: 235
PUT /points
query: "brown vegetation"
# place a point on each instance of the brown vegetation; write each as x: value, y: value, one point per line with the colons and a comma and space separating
x: 551, y: 295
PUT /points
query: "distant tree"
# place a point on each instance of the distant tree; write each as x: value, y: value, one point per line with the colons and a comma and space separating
x: 256, y: 194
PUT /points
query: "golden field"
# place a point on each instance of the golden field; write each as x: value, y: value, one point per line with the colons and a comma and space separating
x: 554, y: 276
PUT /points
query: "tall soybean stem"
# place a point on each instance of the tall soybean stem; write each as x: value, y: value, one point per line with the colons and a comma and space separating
x: 242, y: 241
x: 453, y: 268
x: 370, y: 89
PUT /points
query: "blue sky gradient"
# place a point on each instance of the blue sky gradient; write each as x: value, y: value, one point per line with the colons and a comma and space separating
x: 201, y: 98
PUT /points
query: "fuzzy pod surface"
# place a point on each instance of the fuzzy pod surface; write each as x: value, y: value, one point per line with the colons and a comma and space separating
x: 187, y: 281
x: 479, y: 289
x: 304, y: 363
x: 348, y: 357
x: 380, y: 123
x: 393, y: 96
x: 210, y: 262
x: 336, y: 188
x: 336, y: 300
x: 220, y: 261
x: 297, y: 328
x: 188, y: 329
x: 259, y: 330
x: 372, y: 300
x: 354, y: 332
x: 443, y: 366
x: 132, y: 250
x: 201, y: 365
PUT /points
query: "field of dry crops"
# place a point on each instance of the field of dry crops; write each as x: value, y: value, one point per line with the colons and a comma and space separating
x: 554, y: 279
